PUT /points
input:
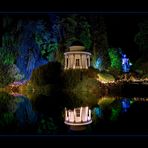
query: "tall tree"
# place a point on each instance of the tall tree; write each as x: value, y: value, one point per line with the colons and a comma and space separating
x: 8, y: 51
x: 100, y: 43
x: 31, y: 42
x: 141, y: 38
x: 70, y: 28
x: 57, y: 34
x: 84, y: 33
x: 75, y: 27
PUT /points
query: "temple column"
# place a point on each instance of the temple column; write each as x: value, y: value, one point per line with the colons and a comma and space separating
x: 65, y: 63
x: 66, y: 115
x: 66, y: 66
x: 70, y: 65
x: 73, y: 58
x: 68, y: 62
x: 74, y: 61
x: 89, y: 115
x: 81, y: 61
x: 88, y: 61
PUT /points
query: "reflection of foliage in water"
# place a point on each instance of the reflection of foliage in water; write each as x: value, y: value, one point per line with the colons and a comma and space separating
x: 5, y: 101
x: 97, y: 115
x: 12, y: 105
x: 47, y: 126
x: 111, y: 107
x: 105, y: 101
x: 114, y: 114
x: 15, y: 113
x: 24, y: 113
x: 7, y: 118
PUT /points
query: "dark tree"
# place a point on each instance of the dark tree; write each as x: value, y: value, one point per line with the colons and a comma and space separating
x: 100, y: 43
x: 141, y: 38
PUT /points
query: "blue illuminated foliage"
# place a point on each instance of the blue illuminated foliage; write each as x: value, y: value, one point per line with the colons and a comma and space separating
x: 29, y: 56
x: 98, y: 64
x: 33, y: 43
x: 24, y: 112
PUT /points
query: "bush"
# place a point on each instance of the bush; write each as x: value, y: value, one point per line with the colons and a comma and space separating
x: 5, y: 76
x: 47, y: 126
x: 105, y: 77
x: 47, y: 74
x: 115, y: 72
x: 72, y: 78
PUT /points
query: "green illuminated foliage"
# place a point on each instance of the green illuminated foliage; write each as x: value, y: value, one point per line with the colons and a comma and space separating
x: 8, y: 50
x: 9, y: 74
x: 115, y: 58
x: 14, y: 73
x: 7, y: 56
x: 26, y: 34
x: 46, y: 42
x: 5, y: 76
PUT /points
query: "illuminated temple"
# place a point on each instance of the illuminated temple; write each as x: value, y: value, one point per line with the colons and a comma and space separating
x: 77, y: 57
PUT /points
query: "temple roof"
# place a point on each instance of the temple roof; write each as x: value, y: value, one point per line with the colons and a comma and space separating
x: 77, y: 46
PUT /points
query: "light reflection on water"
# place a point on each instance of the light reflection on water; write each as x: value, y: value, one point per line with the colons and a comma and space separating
x: 122, y: 115
x: 45, y: 114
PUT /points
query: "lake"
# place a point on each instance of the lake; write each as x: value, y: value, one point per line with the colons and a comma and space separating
x: 44, y: 115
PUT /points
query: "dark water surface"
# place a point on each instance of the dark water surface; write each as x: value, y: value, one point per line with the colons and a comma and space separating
x: 42, y: 114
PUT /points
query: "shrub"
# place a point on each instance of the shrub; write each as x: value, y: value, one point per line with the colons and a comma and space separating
x: 47, y: 74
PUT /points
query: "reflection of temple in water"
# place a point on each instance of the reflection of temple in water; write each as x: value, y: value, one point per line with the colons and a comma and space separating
x: 78, y: 118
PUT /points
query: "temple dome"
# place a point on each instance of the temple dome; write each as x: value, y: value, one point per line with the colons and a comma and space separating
x: 77, y: 46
